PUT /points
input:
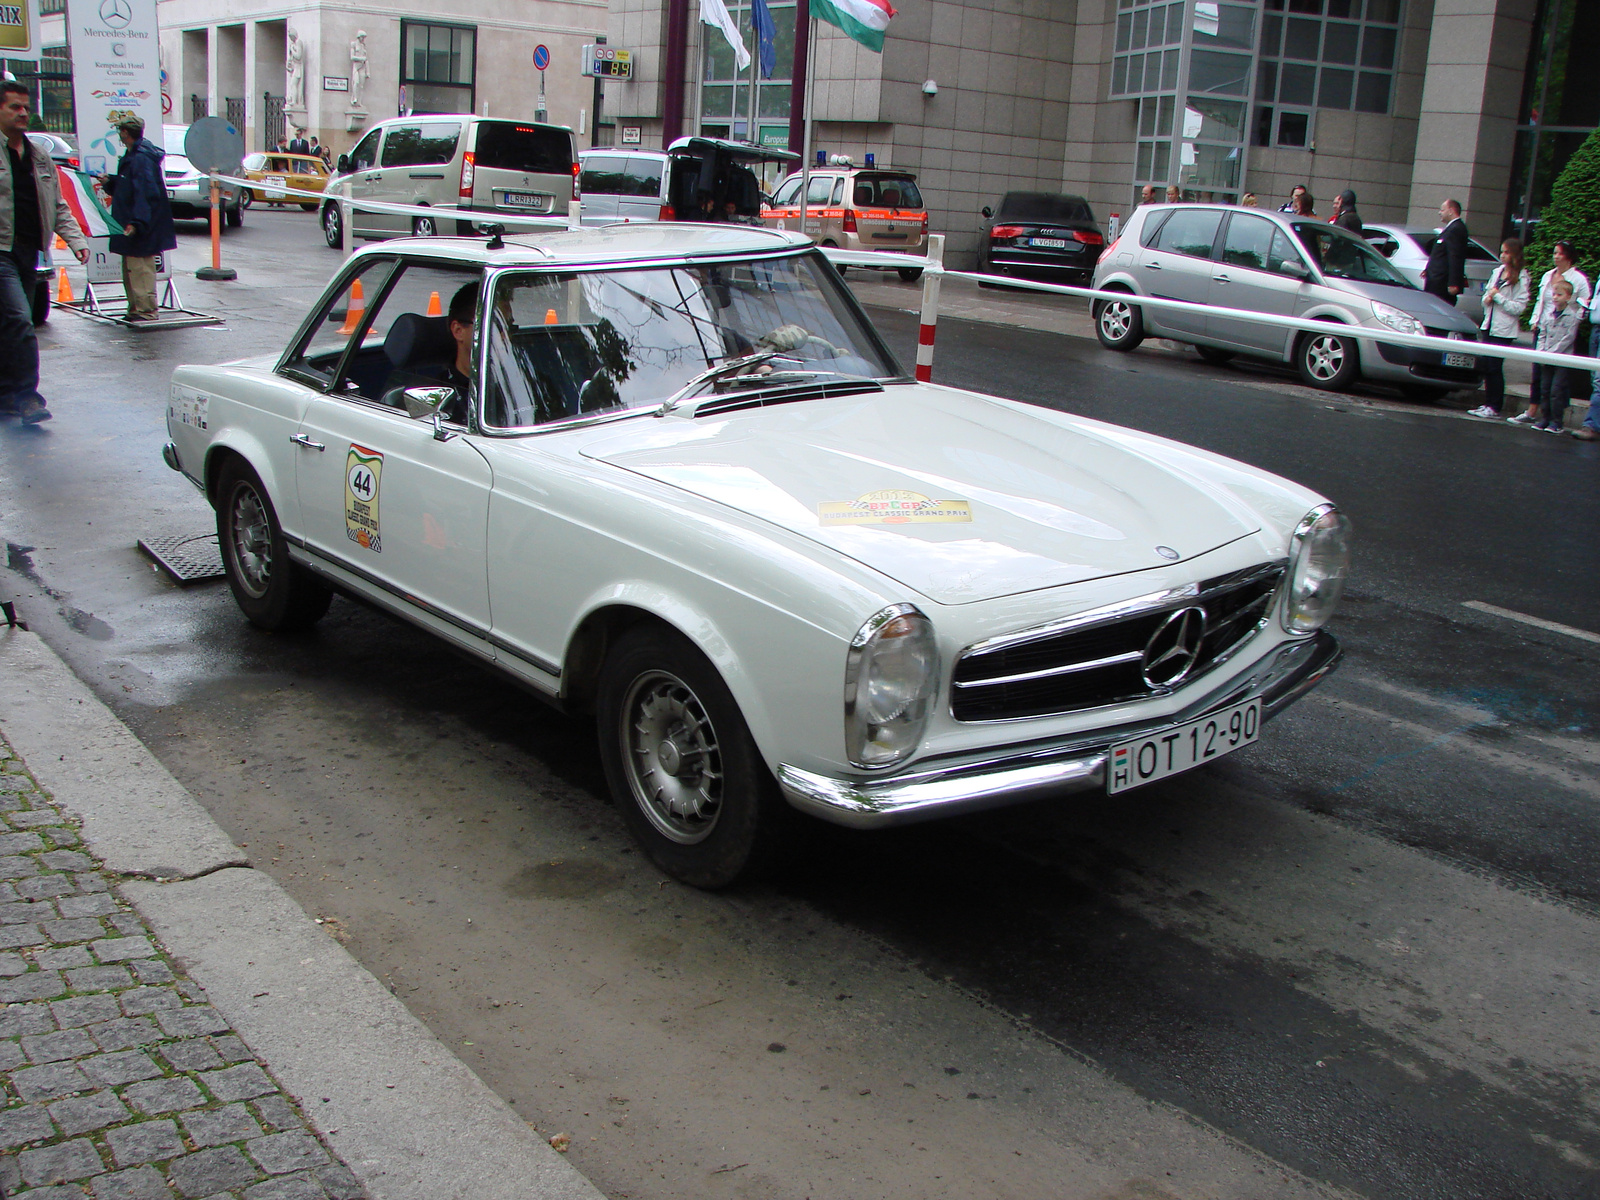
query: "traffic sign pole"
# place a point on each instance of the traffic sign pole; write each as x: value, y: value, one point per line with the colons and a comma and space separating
x: 594, y: 131
x: 541, y: 60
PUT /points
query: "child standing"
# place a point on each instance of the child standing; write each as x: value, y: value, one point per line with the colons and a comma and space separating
x: 1558, y: 331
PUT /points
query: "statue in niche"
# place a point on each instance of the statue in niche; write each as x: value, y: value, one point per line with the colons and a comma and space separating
x: 358, y: 68
x: 295, y: 67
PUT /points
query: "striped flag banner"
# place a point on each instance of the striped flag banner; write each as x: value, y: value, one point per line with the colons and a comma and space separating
x: 77, y: 189
x: 863, y: 21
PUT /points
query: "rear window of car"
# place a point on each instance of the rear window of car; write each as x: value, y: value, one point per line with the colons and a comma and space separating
x: 1045, y: 208
x: 421, y: 145
x: 1475, y: 252
x: 537, y: 149
x: 616, y: 175
x: 887, y: 191
x: 1189, y: 231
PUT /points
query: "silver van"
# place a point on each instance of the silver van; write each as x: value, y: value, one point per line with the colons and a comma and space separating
x: 1264, y: 262
x: 453, y: 161
x: 624, y: 185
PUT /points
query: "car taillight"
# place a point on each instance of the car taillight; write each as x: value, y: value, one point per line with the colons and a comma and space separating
x: 1005, y: 231
x: 1088, y: 237
x: 1107, y: 251
x: 849, y: 220
x: 73, y: 162
x: 667, y: 213
x: 468, y: 169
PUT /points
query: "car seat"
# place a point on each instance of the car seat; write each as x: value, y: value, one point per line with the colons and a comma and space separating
x: 420, y: 351
x: 863, y: 194
x: 891, y: 197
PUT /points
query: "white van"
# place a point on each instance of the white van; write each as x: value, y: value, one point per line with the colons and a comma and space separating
x: 453, y: 161
x: 624, y: 185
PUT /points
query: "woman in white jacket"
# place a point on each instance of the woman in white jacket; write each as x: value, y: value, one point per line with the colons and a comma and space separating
x: 1565, y: 260
x: 1505, y: 299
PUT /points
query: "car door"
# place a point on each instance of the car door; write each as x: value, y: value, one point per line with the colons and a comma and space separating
x: 389, y: 181
x: 1250, y: 275
x: 1177, y: 265
x: 644, y: 184
x: 382, y: 498
x: 364, y: 177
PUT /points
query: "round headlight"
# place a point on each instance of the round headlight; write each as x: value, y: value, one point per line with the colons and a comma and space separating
x: 891, y: 678
x: 1319, y: 559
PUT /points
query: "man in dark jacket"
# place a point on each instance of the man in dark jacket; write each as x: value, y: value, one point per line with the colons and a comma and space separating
x: 139, y: 205
x: 1446, y: 273
x: 299, y: 145
x: 1344, y: 212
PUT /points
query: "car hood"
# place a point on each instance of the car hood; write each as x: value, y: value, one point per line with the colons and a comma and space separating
x: 960, y: 497
x: 1429, y: 309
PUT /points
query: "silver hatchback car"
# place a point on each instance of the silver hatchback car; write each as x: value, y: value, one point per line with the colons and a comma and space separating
x: 1264, y: 262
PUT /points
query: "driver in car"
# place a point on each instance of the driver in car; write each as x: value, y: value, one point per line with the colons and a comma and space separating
x: 463, y: 310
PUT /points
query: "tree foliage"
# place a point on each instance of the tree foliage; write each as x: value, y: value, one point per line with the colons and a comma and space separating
x: 1573, y: 213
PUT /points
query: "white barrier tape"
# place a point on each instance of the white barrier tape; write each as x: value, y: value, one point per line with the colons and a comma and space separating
x: 407, y: 210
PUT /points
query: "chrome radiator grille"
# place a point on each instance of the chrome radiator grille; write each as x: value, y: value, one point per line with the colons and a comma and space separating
x: 1145, y: 647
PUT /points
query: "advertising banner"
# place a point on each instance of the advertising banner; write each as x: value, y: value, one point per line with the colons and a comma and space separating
x: 116, y: 72
x: 19, y: 29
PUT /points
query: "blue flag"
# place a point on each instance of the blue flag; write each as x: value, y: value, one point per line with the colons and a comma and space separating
x: 766, y: 34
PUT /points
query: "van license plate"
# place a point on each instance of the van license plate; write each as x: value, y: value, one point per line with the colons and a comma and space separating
x: 1049, y: 243
x: 1145, y: 760
x: 523, y: 200
x: 1459, y: 360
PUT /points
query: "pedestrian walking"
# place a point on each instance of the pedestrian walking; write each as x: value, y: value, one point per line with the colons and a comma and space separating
x: 1505, y: 299
x: 1344, y: 212
x: 1445, y: 276
x: 1563, y: 265
x: 139, y: 205
x: 1305, y: 203
x: 1292, y: 204
x: 32, y: 212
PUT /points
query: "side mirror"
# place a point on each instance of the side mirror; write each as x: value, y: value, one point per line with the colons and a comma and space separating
x: 987, y: 211
x: 1290, y: 267
x: 343, y: 164
x: 424, y: 402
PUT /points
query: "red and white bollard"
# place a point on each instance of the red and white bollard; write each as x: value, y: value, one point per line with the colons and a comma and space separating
x: 930, y: 310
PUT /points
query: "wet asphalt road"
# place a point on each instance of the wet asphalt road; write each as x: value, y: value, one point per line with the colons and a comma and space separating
x: 1362, y: 949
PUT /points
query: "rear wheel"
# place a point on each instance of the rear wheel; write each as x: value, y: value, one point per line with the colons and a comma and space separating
x: 1118, y: 324
x: 309, y: 206
x: 1214, y: 356
x: 1327, y: 361
x: 274, y: 593
x: 233, y: 217
x: 423, y: 227
x: 681, y: 764
x: 333, y: 227
x: 909, y: 274
x: 247, y: 197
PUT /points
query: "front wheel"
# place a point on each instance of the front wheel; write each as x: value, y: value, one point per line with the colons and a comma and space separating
x: 333, y: 227
x: 1327, y: 361
x: 234, y: 217
x: 1118, y: 324
x: 309, y: 206
x: 274, y: 593
x: 909, y: 274
x: 681, y: 764
x: 423, y: 227
x: 247, y: 197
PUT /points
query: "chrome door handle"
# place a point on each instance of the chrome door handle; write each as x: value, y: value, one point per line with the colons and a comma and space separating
x: 1219, y: 278
x: 1152, y: 266
x: 301, y: 439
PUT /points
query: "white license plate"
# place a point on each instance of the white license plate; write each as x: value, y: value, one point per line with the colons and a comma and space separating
x: 172, y: 193
x: 1049, y: 243
x: 1145, y: 760
x: 1459, y: 360
x: 523, y: 200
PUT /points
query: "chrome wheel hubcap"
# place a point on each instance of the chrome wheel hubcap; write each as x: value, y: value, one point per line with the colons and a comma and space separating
x: 251, y: 542
x: 1324, y: 357
x: 671, y: 757
x: 1114, y: 320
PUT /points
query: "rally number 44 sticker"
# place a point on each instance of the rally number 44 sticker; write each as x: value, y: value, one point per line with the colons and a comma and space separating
x: 363, y: 475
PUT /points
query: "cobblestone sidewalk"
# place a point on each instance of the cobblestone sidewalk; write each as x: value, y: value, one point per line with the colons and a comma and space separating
x: 121, y: 1082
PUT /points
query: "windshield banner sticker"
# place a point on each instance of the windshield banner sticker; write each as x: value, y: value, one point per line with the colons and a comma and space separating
x: 893, y: 506
x: 363, y: 471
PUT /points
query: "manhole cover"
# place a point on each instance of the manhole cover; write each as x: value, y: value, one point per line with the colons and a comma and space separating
x: 188, y: 559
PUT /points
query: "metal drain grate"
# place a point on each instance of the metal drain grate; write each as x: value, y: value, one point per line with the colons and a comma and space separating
x: 188, y: 559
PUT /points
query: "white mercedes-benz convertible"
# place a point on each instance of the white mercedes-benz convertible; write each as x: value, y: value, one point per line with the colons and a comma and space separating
x: 670, y: 475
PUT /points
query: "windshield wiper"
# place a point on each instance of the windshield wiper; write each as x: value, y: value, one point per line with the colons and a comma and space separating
x: 726, y: 367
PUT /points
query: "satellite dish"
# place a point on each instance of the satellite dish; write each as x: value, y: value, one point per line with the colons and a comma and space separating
x: 214, y: 146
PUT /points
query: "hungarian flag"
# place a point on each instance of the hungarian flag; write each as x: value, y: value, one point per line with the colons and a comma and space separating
x: 77, y: 189
x: 862, y: 20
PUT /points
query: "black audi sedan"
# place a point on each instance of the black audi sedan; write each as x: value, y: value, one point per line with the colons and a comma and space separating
x: 1047, y: 235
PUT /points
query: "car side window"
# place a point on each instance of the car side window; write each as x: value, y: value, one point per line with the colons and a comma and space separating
x: 317, y: 357
x: 645, y: 176
x: 821, y: 187
x: 1282, y: 251
x: 838, y: 193
x: 1190, y: 231
x: 1248, y: 242
x: 786, y: 194
x: 399, y: 148
x: 603, y: 176
x: 365, y: 155
x: 408, y: 341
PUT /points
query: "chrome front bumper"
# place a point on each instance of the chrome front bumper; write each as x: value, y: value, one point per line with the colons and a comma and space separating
x: 1031, y: 774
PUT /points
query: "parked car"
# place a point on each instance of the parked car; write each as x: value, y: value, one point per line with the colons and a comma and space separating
x: 1042, y: 235
x: 189, y: 190
x: 1407, y: 248
x: 305, y: 172
x: 58, y: 146
x: 856, y: 208
x: 684, y: 486
x: 455, y: 162
x: 695, y: 179
x: 1287, y: 266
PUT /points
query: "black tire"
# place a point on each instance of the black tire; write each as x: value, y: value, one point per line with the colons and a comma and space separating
x: 273, y: 593
x: 424, y: 227
x: 309, y: 206
x: 233, y: 217
x: 333, y: 226
x: 658, y: 699
x: 1327, y: 360
x: 909, y: 274
x: 1119, y: 324
x: 247, y: 197
x: 41, y: 300
x: 1212, y: 355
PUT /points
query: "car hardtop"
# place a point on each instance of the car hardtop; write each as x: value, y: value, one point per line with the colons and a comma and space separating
x: 1422, y: 237
x: 1062, y: 209
x: 643, y: 242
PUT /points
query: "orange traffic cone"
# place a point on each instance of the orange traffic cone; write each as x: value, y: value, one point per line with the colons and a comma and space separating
x: 64, y: 288
x: 60, y: 243
x: 550, y: 317
x: 356, y: 307
x: 435, y: 309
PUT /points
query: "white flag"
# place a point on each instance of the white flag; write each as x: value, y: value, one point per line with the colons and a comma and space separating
x: 715, y: 12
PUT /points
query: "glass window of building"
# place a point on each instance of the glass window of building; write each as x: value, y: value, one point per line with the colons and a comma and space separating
x: 725, y: 97
x: 1322, y: 54
x: 438, y: 67
x: 1560, y: 106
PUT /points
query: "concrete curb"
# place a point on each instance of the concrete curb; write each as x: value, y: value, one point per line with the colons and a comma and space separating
x: 407, y: 1117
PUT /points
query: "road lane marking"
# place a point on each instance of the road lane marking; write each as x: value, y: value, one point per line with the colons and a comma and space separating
x: 1538, y: 622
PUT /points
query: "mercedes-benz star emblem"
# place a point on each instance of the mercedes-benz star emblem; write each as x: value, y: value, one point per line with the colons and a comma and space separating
x: 116, y: 13
x: 1168, y: 552
x: 1171, y: 652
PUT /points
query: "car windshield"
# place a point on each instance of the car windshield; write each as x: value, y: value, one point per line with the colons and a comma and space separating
x: 575, y: 344
x: 1046, y: 208
x: 1343, y: 255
